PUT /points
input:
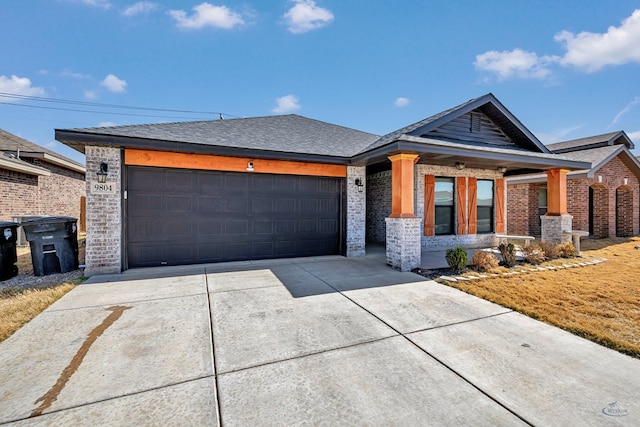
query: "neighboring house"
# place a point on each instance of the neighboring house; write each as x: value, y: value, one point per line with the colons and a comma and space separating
x: 602, y: 199
x: 36, y: 181
x: 287, y: 186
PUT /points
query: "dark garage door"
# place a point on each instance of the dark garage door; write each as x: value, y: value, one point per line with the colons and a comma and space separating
x: 178, y: 216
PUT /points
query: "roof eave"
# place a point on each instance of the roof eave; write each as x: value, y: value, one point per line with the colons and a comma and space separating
x: 55, y: 160
x: 77, y: 139
x: 23, y: 168
x: 409, y: 144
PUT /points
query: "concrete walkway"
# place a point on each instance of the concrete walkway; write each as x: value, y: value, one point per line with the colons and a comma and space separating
x: 327, y: 341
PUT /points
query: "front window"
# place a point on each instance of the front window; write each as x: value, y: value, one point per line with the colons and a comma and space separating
x: 485, y: 206
x: 444, y: 205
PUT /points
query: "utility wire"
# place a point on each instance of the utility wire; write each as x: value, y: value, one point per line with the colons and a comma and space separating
x: 100, y: 105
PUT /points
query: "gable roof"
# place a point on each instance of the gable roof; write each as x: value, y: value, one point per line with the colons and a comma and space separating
x: 21, y: 148
x: 276, y: 134
x: 487, y: 104
x: 611, y: 138
x: 598, y: 157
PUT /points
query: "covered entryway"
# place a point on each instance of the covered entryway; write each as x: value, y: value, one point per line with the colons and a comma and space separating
x: 182, y: 216
x: 624, y: 211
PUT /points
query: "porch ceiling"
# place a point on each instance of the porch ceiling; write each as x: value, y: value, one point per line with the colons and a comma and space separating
x: 477, y: 157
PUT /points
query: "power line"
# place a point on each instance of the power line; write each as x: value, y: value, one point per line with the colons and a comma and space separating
x: 101, y: 105
x: 102, y: 112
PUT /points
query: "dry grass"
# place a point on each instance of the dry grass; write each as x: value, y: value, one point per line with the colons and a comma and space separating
x: 599, y: 302
x: 19, y: 305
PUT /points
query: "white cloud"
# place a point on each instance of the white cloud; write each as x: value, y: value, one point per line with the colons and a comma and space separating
x: 106, y: 124
x: 15, y: 85
x: 90, y: 94
x: 114, y: 84
x: 402, y: 102
x: 594, y: 51
x: 557, y: 135
x: 306, y: 16
x: 625, y: 110
x: 51, y: 144
x: 286, y: 104
x: 515, y: 63
x: 74, y: 75
x: 634, y: 136
x: 140, y: 8
x: 207, y: 15
x: 97, y: 3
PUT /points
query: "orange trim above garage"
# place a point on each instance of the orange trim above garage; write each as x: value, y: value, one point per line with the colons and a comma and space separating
x: 165, y: 159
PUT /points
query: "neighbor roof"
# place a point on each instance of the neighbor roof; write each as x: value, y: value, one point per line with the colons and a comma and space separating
x: 611, y: 138
x: 21, y: 148
x: 11, y: 162
x: 285, y: 134
x: 598, y: 157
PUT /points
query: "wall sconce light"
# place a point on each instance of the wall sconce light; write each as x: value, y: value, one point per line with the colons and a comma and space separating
x: 359, y: 184
x: 250, y: 167
x: 599, y: 178
x: 102, y: 173
x: 626, y: 181
x: 502, y: 169
x: 459, y: 165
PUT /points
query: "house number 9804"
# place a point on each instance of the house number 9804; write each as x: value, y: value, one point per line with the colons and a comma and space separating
x: 107, y: 187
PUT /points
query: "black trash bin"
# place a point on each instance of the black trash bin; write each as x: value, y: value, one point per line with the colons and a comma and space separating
x: 8, y: 256
x: 54, y: 244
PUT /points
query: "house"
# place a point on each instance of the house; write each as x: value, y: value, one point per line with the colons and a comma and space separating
x: 602, y: 199
x: 287, y: 186
x: 35, y: 181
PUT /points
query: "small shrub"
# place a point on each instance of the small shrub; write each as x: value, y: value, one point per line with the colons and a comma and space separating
x: 457, y: 258
x: 508, y: 252
x: 567, y: 250
x: 550, y: 249
x: 533, y: 254
x: 484, y: 261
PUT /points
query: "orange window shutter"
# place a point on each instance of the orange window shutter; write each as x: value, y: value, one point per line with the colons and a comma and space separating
x: 429, y: 205
x: 473, y: 206
x: 499, y: 205
x: 461, y: 191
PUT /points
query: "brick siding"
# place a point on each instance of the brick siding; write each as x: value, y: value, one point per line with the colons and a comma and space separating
x: 610, y: 219
x: 57, y: 195
x: 104, y: 214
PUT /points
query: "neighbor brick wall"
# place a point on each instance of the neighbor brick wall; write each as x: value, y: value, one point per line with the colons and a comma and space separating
x: 524, y: 197
x: 18, y: 194
x: 104, y: 214
x: 57, y: 194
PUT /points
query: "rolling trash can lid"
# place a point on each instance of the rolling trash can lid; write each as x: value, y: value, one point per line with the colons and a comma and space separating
x: 48, y: 220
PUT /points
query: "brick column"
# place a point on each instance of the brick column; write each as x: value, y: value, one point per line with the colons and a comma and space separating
x: 556, y: 220
x: 403, y: 227
x: 104, y: 213
x: 356, y: 210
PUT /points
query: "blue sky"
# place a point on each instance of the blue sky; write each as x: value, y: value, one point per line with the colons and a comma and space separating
x: 567, y: 69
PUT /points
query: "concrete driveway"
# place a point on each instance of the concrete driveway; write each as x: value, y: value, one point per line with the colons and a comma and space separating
x: 326, y: 341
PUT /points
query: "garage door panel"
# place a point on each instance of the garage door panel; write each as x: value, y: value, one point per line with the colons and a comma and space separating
x: 224, y: 216
x: 210, y: 204
x: 210, y: 228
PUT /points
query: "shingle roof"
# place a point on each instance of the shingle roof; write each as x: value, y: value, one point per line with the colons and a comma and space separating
x: 13, y: 143
x: 287, y: 133
x: 610, y: 138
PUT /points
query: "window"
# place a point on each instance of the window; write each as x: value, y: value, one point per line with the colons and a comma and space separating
x: 444, y: 205
x: 485, y: 206
x: 542, y: 201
